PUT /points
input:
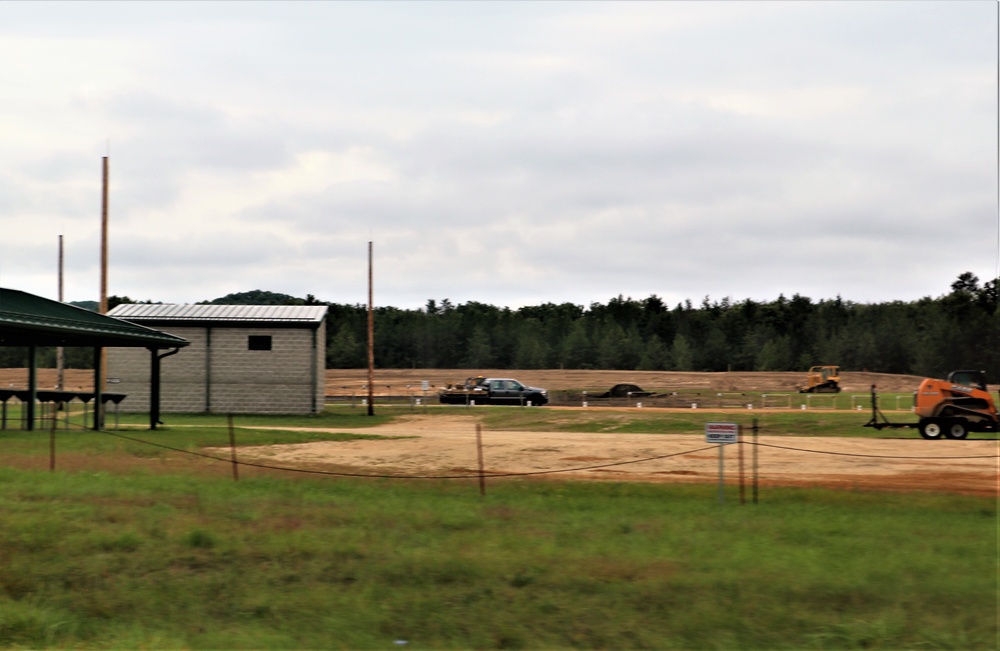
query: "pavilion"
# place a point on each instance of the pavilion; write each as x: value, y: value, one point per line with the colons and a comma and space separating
x: 31, y: 321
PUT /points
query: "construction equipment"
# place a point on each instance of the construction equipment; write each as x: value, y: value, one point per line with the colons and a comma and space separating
x: 949, y: 408
x: 822, y: 379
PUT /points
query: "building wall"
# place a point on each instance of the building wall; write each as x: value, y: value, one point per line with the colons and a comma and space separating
x: 217, y: 373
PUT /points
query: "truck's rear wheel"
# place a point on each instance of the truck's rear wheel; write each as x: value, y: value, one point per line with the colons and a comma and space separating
x: 930, y: 428
x: 957, y: 430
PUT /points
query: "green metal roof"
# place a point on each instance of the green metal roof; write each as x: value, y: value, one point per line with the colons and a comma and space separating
x: 26, y: 319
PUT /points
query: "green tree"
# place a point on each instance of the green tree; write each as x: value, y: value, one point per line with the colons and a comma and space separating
x: 345, y: 351
x: 775, y: 355
x: 532, y: 349
x: 655, y: 356
x: 682, y: 354
x: 576, y: 350
x: 480, y: 353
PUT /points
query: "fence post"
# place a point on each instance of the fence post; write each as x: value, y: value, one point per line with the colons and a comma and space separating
x: 755, y: 467
x: 232, y: 450
x: 52, y: 445
x: 479, y: 454
x: 743, y: 499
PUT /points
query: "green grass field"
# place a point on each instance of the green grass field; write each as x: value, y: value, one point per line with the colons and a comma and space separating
x: 128, y: 545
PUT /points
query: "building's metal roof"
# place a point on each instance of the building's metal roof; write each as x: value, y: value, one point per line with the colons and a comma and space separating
x: 165, y: 313
x: 26, y: 320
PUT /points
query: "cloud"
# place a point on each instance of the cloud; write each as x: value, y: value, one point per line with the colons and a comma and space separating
x: 510, y: 153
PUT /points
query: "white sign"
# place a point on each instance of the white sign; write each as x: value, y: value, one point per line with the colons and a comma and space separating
x: 722, y: 433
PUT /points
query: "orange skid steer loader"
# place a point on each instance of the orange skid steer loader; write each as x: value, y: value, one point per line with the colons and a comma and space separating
x: 948, y: 408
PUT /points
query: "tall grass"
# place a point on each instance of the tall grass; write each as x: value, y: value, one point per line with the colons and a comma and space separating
x: 134, y: 542
x: 131, y: 559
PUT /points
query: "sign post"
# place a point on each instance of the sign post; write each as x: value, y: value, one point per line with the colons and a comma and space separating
x: 722, y: 434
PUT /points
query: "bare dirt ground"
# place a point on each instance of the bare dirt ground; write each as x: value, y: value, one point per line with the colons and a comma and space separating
x: 341, y: 381
x: 901, y: 461
x: 447, y: 447
x: 393, y: 380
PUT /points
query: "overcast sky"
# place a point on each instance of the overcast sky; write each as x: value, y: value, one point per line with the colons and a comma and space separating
x: 511, y: 153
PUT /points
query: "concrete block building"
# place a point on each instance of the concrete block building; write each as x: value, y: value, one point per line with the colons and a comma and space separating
x: 241, y: 359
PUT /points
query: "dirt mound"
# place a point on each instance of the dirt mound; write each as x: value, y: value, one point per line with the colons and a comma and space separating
x: 409, y: 381
x: 341, y: 381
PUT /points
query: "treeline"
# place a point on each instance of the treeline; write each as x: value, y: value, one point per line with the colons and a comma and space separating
x: 931, y: 336
x: 925, y: 337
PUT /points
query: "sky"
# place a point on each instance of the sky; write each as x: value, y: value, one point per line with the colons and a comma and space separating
x: 508, y: 153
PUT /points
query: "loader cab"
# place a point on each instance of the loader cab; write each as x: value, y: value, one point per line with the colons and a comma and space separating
x: 975, y: 379
x: 828, y: 373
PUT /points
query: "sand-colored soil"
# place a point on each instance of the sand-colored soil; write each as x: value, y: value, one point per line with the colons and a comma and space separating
x: 339, y: 381
x: 401, y: 381
x: 447, y: 447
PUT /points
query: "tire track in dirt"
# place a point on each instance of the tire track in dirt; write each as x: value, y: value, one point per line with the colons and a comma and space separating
x: 436, y: 447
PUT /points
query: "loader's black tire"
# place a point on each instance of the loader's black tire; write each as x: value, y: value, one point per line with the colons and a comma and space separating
x: 931, y: 428
x: 956, y: 429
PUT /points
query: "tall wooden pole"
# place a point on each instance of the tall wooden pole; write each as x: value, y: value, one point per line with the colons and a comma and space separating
x: 104, y: 236
x: 100, y: 376
x: 60, y: 352
x: 371, y: 338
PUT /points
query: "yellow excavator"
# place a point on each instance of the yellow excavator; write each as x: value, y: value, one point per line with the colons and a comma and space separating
x: 822, y: 379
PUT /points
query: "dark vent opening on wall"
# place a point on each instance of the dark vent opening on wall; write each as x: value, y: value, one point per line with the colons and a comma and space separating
x: 259, y: 342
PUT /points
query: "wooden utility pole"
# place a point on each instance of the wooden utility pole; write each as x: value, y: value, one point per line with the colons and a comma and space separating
x: 100, y: 375
x: 371, y: 339
x: 104, y: 236
x: 60, y: 352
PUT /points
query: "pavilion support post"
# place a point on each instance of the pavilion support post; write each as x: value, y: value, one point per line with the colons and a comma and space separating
x: 154, y: 384
x: 98, y: 388
x: 154, y: 388
x: 314, y: 374
x: 29, y: 413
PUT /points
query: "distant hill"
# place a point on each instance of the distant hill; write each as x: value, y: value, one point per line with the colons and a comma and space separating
x: 254, y: 297
x: 261, y: 297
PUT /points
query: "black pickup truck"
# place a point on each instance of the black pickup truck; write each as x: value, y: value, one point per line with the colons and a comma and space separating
x: 493, y: 391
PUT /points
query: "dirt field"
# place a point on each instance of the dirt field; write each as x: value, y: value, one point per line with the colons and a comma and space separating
x: 395, y: 380
x: 446, y: 447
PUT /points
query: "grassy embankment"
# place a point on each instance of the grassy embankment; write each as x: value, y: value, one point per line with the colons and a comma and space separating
x: 128, y: 545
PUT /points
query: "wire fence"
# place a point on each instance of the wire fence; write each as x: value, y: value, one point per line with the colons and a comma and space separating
x: 414, y: 396
x: 51, y: 418
x: 78, y: 406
